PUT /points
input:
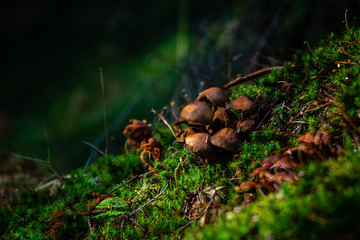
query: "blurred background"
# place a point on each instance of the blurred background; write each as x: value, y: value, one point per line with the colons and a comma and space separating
x: 148, y: 54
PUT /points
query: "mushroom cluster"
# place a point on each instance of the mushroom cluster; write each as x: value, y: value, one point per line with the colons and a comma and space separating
x: 141, y: 139
x: 280, y: 168
x: 209, y: 126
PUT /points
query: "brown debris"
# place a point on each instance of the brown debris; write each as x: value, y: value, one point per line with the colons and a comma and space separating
x: 193, y: 203
x: 137, y: 132
x: 140, y: 138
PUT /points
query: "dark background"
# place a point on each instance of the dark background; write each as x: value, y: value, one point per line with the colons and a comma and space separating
x: 148, y: 52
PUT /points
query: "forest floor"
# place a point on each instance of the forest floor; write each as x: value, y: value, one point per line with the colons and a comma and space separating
x: 273, y: 155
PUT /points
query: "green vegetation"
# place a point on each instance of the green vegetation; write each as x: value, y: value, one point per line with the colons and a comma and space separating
x: 184, y: 197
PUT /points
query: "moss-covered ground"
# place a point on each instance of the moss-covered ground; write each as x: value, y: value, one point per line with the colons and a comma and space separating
x: 116, y: 198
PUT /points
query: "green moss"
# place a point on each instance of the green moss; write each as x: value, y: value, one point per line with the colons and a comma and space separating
x: 318, y: 91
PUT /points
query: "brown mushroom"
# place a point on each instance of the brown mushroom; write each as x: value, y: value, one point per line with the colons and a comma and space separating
x: 222, y: 118
x: 196, y: 113
x: 215, y: 96
x: 226, y: 138
x: 200, y: 143
x: 242, y: 103
x: 244, y: 126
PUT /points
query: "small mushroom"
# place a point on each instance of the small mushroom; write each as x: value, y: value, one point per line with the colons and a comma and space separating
x: 200, y: 143
x: 196, y: 113
x: 215, y: 96
x: 243, y: 104
x: 222, y: 118
x: 244, y: 126
x: 226, y: 138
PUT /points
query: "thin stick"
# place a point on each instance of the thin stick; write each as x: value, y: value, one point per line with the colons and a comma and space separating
x: 164, y: 120
x: 250, y: 76
x: 140, y: 226
x: 94, y: 147
x: 166, y: 187
x: 104, y: 112
x: 346, y: 21
x: 121, y: 228
x: 197, y: 218
x: 89, y: 223
x: 120, y: 186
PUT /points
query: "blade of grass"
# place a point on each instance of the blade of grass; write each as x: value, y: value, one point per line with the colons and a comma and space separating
x: 106, y: 132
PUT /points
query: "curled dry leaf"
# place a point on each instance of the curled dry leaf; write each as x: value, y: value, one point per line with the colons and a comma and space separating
x: 196, y: 113
x: 137, y: 132
x: 215, y: 96
x: 249, y: 186
x: 269, y: 161
x: 285, y: 163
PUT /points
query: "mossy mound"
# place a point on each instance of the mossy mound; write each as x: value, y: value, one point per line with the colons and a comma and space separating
x: 183, y: 197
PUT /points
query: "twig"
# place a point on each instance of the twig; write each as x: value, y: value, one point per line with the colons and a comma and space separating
x: 304, y: 122
x: 94, y: 147
x: 166, y: 187
x: 140, y: 226
x: 120, y: 186
x: 164, y: 120
x: 197, y: 218
x: 121, y: 228
x: 13, y: 227
x: 313, y: 109
x: 91, y: 211
x: 250, y: 76
x: 263, y: 119
x: 347, y: 118
x: 89, y: 223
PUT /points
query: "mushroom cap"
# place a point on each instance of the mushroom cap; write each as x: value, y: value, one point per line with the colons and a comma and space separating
x: 214, y: 95
x: 244, y: 126
x: 226, y: 138
x: 199, y: 143
x: 196, y: 113
x: 242, y: 103
x: 222, y: 118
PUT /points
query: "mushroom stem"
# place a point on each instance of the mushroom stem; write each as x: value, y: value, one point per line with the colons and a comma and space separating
x: 164, y: 120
